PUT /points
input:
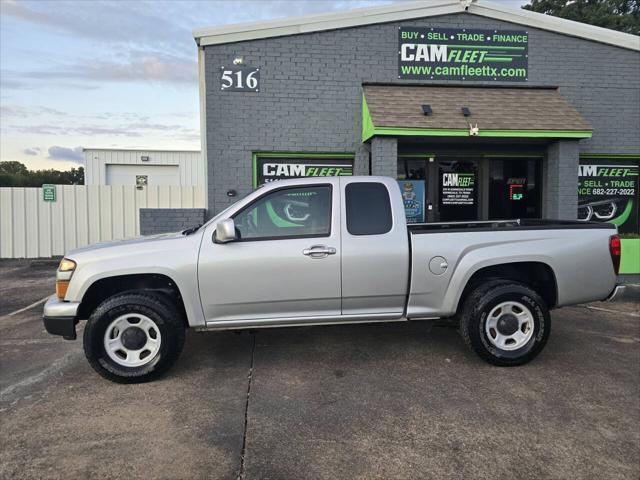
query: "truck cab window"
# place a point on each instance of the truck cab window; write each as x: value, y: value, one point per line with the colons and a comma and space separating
x: 368, y: 208
x: 290, y: 212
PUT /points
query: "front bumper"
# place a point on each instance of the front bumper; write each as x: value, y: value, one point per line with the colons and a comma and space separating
x: 60, y: 317
x: 616, y: 293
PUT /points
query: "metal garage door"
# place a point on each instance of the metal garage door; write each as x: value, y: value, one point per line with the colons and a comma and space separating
x: 155, y: 174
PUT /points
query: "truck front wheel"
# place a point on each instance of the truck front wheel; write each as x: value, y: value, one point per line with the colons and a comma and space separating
x: 506, y: 323
x: 133, y: 337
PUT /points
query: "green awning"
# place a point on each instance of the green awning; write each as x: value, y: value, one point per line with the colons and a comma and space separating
x: 396, y: 110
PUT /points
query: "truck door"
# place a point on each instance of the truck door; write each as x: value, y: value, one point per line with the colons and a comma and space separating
x: 375, y: 248
x: 285, y: 263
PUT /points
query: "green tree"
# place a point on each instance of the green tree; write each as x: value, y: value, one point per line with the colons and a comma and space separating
x: 16, y: 174
x: 621, y: 15
x: 13, y: 168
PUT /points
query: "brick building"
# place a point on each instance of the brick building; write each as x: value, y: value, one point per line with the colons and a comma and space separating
x: 486, y: 112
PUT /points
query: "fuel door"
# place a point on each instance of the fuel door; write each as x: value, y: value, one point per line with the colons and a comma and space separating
x: 438, y: 265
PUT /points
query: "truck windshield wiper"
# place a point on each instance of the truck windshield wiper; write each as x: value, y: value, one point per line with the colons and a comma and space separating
x: 191, y: 230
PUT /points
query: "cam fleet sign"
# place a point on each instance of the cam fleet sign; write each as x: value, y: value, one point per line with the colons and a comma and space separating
x: 462, y: 54
x: 608, y: 192
x: 268, y: 169
x: 458, y: 189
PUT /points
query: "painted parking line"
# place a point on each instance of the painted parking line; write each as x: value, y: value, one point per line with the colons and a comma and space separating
x: 11, y: 392
x: 28, y: 307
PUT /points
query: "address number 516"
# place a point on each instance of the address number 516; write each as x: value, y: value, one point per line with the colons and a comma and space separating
x: 241, y: 79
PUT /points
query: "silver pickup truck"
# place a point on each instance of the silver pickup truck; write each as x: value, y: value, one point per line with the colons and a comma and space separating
x: 319, y: 251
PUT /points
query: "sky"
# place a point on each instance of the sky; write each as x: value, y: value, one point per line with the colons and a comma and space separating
x: 113, y: 74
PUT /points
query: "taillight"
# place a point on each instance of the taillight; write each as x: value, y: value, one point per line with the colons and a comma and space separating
x: 615, y: 249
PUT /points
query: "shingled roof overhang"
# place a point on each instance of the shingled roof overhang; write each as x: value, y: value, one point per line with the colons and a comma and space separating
x: 396, y: 110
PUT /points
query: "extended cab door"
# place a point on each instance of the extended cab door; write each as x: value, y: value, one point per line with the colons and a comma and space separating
x: 286, y: 262
x: 375, y: 248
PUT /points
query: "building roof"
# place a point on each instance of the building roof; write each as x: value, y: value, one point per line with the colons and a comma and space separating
x: 497, y: 111
x: 407, y: 11
x: 100, y: 149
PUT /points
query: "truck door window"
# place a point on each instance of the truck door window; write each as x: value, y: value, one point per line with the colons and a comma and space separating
x: 289, y: 213
x: 368, y: 208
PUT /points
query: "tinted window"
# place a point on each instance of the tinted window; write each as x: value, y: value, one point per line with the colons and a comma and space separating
x: 288, y: 212
x: 368, y: 209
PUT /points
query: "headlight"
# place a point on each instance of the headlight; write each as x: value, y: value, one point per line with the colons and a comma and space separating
x: 63, y: 275
x: 66, y: 265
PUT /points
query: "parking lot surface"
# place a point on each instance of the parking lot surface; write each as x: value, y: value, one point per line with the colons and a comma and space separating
x: 403, y: 400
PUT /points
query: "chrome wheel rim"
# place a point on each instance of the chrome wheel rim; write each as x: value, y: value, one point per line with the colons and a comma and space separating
x: 132, y: 340
x: 509, y: 325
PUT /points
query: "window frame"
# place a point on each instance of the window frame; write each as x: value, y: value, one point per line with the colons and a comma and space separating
x: 391, y: 215
x: 288, y: 237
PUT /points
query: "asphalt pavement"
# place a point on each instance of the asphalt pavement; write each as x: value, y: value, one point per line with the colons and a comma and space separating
x: 402, y: 400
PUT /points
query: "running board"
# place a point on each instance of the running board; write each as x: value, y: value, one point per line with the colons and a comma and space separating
x: 301, y: 321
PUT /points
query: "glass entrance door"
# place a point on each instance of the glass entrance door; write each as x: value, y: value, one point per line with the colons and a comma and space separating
x: 457, y: 189
x: 514, y: 188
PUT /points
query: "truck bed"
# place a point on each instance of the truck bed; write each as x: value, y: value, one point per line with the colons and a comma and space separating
x: 445, y: 256
x: 501, y: 225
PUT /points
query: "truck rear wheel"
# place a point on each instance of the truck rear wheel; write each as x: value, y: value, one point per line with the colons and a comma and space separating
x: 133, y: 337
x: 506, y: 323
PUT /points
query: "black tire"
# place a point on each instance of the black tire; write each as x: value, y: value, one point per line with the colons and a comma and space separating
x: 157, y: 308
x: 479, y: 304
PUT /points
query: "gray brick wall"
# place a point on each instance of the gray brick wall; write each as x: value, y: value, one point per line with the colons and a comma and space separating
x: 384, y: 156
x: 310, y: 96
x: 362, y: 161
x: 164, y: 220
x: 560, y: 180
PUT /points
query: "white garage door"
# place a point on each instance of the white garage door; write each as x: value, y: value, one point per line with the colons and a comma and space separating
x: 155, y: 174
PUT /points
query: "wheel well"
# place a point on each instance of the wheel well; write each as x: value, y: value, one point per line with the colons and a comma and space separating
x: 536, y: 275
x: 104, y: 288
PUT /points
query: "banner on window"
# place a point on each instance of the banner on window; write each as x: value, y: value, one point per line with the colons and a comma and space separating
x: 608, y: 192
x: 269, y: 168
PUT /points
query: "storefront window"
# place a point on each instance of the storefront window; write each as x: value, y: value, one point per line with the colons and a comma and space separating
x: 412, y: 168
x: 468, y: 187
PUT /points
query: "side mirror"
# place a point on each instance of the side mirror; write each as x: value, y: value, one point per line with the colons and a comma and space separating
x: 226, y: 231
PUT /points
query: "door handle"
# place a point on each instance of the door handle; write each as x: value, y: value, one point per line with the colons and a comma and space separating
x: 319, y: 251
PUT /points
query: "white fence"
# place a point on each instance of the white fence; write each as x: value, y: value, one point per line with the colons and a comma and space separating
x: 81, y: 215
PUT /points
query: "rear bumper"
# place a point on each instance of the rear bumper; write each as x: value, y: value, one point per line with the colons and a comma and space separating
x: 616, y: 293
x: 60, y: 317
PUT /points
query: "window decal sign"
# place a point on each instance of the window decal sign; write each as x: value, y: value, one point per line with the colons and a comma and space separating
x: 462, y: 54
x: 458, y: 189
x: 517, y: 188
x: 269, y: 168
x: 413, y: 198
x: 608, y: 192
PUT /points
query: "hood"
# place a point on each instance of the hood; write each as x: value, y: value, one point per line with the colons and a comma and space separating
x: 125, y: 243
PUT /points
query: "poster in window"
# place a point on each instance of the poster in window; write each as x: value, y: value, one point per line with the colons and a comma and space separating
x: 608, y: 192
x: 413, y: 193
